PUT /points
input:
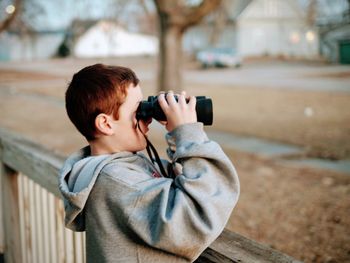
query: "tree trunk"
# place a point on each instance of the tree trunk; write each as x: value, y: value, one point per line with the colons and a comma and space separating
x: 174, y: 19
x: 170, y: 57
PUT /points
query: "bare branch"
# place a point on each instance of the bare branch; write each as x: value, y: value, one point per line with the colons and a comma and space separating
x: 195, y: 14
x: 184, y: 16
x: 144, y: 7
x: 220, y: 20
x: 311, y: 12
x: 7, y: 22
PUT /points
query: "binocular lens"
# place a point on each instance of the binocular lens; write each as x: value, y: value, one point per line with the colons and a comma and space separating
x: 151, y: 109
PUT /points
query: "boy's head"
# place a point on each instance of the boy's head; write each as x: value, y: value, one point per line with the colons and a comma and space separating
x: 97, y: 89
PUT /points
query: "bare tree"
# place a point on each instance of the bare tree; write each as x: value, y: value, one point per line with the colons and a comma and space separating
x: 8, y: 20
x: 175, y: 17
x: 147, y: 22
x: 311, y: 12
x: 220, y: 20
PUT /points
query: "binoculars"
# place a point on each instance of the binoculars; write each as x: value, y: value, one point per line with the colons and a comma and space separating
x: 150, y: 108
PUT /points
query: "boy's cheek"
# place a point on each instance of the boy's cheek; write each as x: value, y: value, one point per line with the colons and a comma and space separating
x: 143, y: 127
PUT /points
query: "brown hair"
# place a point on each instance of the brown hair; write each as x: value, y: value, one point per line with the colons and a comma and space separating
x: 96, y: 89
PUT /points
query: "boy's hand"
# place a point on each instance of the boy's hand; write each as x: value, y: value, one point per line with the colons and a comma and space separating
x: 178, y: 112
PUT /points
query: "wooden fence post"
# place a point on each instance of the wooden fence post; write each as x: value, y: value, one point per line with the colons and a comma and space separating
x: 11, y: 220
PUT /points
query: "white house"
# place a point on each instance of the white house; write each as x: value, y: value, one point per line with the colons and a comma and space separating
x: 276, y: 28
x: 333, y: 21
x: 201, y: 36
x: 106, y: 38
x: 36, y: 45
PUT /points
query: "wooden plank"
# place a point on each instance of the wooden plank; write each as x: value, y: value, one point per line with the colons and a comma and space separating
x: 84, y: 246
x: 21, y: 217
x: 33, y: 232
x: 39, y: 223
x: 2, y: 232
x: 27, y: 223
x: 60, y: 230
x: 46, y: 230
x: 52, y: 227
x: 69, y: 245
x: 11, y: 218
x: 242, y: 249
x: 38, y: 163
x: 78, y: 247
x: 212, y: 256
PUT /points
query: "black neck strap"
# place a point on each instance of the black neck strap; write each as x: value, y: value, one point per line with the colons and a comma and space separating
x: 154, y: 157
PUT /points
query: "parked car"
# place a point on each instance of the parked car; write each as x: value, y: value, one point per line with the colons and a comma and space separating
x: 219, y: 57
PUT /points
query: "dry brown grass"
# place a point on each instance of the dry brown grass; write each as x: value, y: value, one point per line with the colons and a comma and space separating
x: 302, y: 212
x: 278, y: 115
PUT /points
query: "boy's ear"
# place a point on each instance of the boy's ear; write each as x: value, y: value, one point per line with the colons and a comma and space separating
x: 103, y: 124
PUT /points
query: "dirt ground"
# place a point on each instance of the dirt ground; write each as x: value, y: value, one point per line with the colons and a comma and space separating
x: 301, y: 211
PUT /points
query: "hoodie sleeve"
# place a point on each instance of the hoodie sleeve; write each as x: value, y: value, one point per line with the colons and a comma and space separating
x: 184, y: 215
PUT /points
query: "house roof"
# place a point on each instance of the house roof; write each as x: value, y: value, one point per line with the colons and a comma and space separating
x: 272, y: 9
x: 79, y: 27
x: 231, y: 10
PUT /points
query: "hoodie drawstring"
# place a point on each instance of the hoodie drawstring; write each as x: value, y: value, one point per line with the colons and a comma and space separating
x: 150, y: 148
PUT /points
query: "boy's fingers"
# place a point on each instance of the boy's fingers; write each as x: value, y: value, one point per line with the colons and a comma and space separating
x: 182, y: 98
x: 162, y: 102
x: 192, y: 102
x: 170, y: 98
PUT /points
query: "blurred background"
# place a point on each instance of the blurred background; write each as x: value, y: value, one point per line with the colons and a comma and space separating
x: 278, y: 72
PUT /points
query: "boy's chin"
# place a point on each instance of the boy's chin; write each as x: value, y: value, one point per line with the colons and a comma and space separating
x: 142, y: 146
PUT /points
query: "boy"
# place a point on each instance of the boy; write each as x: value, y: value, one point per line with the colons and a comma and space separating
x: 130, y: 212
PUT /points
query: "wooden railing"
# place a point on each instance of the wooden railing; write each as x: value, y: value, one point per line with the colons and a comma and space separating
x: 32, y: 212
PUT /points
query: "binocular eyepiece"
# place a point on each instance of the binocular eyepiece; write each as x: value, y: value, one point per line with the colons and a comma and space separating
x: 150, y: 108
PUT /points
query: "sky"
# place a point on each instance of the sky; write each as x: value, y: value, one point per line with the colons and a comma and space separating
x: 58, y: 14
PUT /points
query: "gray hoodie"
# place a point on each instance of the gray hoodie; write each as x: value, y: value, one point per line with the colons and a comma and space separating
x: 132, y: 214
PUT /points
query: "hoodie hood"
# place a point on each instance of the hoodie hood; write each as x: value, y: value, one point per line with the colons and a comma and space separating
x: 76, y: 180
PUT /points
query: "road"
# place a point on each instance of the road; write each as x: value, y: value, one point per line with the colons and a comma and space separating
x: 270, y: 74
x: 280, y: 76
